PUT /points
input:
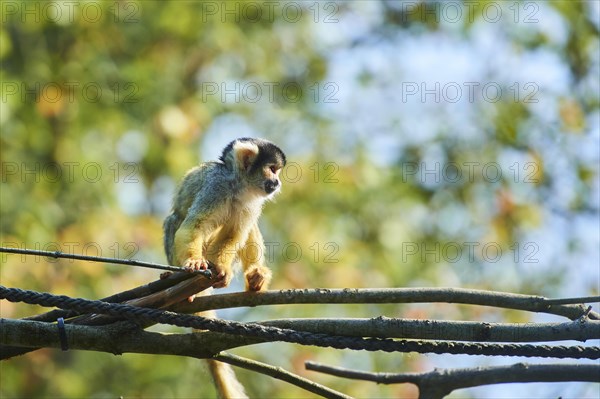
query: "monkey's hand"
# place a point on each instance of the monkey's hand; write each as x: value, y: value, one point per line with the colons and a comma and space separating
x: 222, y: 278
x: 257, y: 278
x: 195, y: 264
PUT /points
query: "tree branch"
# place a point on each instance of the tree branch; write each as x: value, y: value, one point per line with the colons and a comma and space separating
x: 280, y: 374
x: 441, y: 382
x: 255, y: 332
x: 157, y: 300
x: 497, y: 299
x: 101, y: 339
x: 159, y: 294
x: 119, y: 340
x: 384, y: 327
x: 137, y: 292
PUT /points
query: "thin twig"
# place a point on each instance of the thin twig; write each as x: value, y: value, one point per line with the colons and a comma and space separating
x: 280, y: 374
x: 127, y: 262
x: 565, y: 301
x: 441, y: 382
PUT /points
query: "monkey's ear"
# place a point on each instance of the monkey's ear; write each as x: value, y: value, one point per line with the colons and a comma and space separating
x: 245, y: 154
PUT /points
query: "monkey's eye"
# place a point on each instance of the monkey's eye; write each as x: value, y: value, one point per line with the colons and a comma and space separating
x: 274, y: 168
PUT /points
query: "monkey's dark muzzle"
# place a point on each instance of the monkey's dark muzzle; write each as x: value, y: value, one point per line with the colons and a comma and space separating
x: 271, y: 186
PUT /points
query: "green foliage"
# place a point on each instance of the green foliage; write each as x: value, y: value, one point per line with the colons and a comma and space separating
x: 101, y: 115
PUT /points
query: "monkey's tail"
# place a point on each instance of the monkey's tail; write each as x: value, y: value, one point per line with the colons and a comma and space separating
x: 170, y: 226
x: 226, y: 383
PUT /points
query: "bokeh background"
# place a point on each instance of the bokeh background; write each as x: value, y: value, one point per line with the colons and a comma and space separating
x: 430, y: 144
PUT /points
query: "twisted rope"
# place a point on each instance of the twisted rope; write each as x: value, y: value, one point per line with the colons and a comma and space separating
x: 293, y: 336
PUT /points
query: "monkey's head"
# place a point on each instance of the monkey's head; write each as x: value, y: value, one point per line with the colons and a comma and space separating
x: 257, y: 161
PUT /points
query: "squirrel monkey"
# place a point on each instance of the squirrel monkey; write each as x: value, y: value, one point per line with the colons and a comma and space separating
x: 216, y: 210
x: 215, y: 219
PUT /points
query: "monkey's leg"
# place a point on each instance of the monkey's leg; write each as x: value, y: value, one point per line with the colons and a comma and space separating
x: 222, y: 251
x: 252, y: 255
x: 188, y: 251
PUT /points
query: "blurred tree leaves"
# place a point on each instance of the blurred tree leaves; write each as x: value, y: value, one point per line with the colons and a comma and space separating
x: 102, y: 113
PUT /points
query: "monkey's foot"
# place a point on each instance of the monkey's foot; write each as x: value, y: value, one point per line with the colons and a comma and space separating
x: 195, y: 264
x: 257, y: 278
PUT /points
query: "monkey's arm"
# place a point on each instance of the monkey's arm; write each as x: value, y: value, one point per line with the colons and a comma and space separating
x: 222, y: 250
x: 252, y: 255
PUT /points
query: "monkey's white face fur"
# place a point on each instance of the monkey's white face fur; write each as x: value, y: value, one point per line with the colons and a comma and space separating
x: 259, y: 163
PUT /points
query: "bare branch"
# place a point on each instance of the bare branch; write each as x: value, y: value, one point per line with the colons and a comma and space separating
x: 507, y: 300
x: 157, y: 300
x: 117, y: 340
x: 137, y: 292
x: 159, y: 294
x: 280, y: 374
x: 102, y: 339
x: 384, y: 327
x: 441, y: 382
x: 257, y: 333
